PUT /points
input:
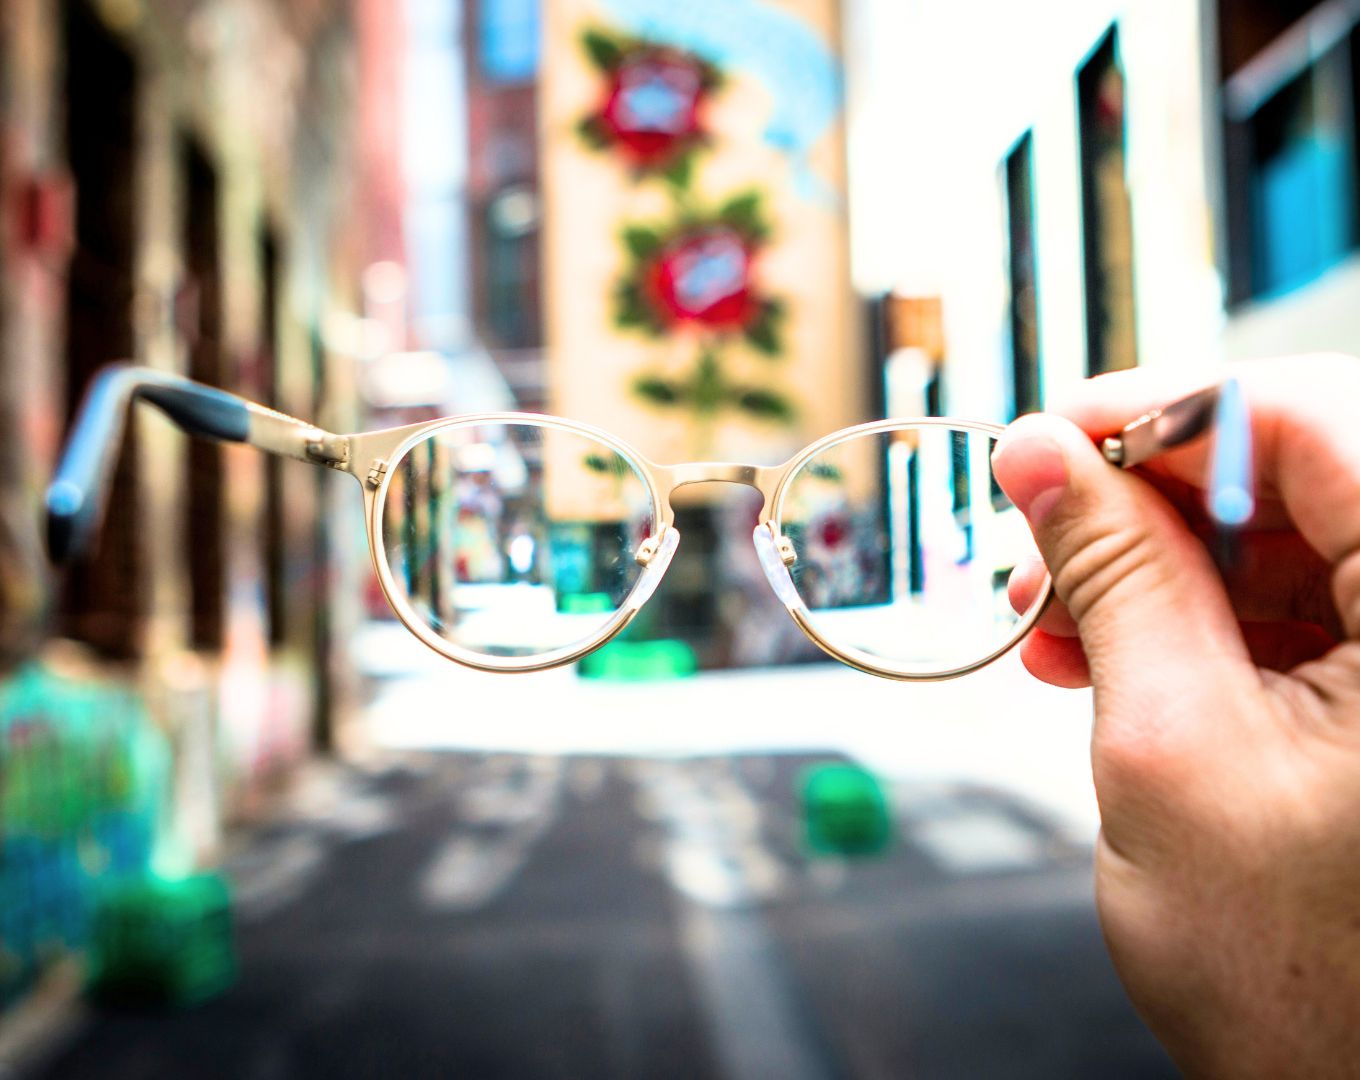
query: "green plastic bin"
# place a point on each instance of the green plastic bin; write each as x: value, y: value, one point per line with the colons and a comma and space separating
x: 163, y: 941
x: 845, y: 811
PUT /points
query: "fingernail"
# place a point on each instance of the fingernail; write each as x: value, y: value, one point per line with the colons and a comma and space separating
x: 1032, y: 472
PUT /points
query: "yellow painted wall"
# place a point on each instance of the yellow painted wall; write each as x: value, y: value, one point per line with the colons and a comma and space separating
x: 589, y: 196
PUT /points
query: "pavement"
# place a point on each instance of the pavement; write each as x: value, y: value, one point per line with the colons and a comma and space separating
x: 480, y: 902
x: 999, y: 726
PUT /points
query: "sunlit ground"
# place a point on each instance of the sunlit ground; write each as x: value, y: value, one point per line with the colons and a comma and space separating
x: 998, y: 728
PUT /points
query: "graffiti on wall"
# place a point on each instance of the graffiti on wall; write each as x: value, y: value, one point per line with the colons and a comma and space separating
x: 84, y: 777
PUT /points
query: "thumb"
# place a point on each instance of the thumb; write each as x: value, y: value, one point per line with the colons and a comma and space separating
x: 1154, y: 618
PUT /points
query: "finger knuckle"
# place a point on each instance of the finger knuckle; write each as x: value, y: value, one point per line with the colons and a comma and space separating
x: 1105, y: 568
x: 1333, y: 682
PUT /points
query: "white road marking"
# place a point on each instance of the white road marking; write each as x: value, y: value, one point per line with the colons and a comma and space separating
x: 751, y: 1016
x: 513, y: 803
x: 468, y: 872
x: 999, y: 728
x: 273, y: 875
x: 980, y: 841
x: 716, y: 860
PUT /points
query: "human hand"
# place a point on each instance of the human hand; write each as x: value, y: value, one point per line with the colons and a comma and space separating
x: 1226, y: 746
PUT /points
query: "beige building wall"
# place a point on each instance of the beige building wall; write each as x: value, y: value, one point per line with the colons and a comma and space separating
x: 590, y: 196
x: 1323, y: 317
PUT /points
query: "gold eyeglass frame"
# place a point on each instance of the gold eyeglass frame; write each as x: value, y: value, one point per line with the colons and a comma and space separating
x: 374, y: 456
x: 76, y: 497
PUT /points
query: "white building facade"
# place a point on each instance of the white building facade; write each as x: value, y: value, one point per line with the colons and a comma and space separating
x: 1214, y: 219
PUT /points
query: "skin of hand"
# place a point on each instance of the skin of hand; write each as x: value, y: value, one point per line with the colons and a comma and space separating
x: 1226, y: 744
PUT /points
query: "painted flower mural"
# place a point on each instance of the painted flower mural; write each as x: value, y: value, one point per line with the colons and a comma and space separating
x: 652, y: 103
x: 704, y: 278
x: 698, y: 273
x: 693, y: 275
x: 696, y: 276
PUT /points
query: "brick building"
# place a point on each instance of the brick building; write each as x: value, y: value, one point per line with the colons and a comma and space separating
x: 177, y: 187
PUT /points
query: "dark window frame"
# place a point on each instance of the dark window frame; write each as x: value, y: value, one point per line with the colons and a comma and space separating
x: 511, y: 304
x: 1104, y: 350
x: 205, y: 499
x: 103, y: 602
x: 1260, y: 100
x: 1025, y: 384
x: 273, y: 533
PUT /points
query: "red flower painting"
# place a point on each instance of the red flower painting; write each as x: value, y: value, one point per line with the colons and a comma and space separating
x: 652, y: 107
x: 699, y: 273
x: 694, y: 274
x: 704, y: 277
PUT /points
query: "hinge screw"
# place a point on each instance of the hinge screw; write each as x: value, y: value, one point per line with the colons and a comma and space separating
x: 647, y: 550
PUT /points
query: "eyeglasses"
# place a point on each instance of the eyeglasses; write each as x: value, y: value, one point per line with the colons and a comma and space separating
x: 517, y: 542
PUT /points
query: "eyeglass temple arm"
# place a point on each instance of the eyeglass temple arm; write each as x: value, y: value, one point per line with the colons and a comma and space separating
x: 77, y: 494
x: 1222, y: 408
x: 1163, y: 428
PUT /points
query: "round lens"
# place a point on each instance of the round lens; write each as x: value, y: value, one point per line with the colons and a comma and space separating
x: 905, y: 545
x: 514, y: 539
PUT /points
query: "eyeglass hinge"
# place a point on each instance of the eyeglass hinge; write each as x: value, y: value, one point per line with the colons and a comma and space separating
x: 647, y: 550
x: 376, y: 472
x: 327, y: 449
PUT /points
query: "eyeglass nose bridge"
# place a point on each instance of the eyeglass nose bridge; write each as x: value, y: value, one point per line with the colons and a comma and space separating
x: 764, y: 479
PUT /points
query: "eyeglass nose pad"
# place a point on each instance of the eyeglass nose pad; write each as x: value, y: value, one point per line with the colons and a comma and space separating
x: 768, y: 541
x: 656, y: 567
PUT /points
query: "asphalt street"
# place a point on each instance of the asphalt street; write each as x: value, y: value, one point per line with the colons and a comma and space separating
x: 460, y: 914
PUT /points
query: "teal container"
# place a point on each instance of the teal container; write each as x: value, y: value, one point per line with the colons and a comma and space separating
x: 640, y: 661
x: 163, y: 941
x: 845, y: 811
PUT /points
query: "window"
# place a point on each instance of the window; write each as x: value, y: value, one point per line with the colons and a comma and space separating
x: 1026, y: 387
x: 201, y: 324
x: 1107, y: 217
x: 508, y: 40
x: 273, y: 535
x: 510, y: 236
x: 1291, y: 164
x: 1301, y: 184
x: 103, y: 603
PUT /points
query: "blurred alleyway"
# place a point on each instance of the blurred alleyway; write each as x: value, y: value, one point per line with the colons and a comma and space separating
x: 368, y: 213
x: 483, y: 913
